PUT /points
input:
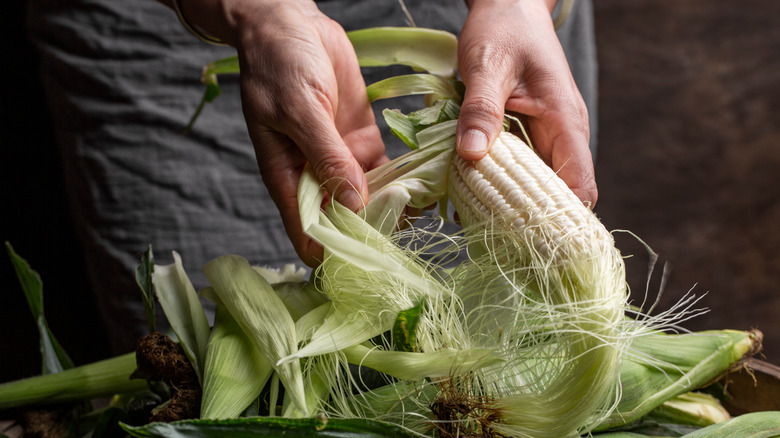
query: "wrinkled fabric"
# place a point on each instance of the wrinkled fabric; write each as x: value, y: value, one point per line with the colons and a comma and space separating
x: 122, y: 81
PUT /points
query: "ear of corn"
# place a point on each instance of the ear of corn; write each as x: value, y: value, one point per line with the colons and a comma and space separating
x: 660, y: 367
x: 550, y: 279
x: 552, y: 259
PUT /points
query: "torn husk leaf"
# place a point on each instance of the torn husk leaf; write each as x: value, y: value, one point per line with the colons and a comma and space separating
x: 235, y: 370
x: 262, y: 316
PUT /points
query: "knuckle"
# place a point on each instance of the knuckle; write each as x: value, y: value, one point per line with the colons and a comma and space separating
x: 331, y: 168
x: 483, y: 108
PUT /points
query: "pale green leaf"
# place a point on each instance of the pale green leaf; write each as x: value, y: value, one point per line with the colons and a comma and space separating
x: 408, y: 85
x: 401, y: 127
x: 430, y: 50
x: 299, y: 297
x: 54, y: 359
x: 261, y: 314
x: 342, y: 329
x: 306, y: 324
x: 416, y: 366
x: 235, y: 370
x: 182, y: 308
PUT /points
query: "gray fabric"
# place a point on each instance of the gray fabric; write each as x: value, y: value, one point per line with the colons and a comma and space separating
x: 122, y: 80
x: 578, y: 38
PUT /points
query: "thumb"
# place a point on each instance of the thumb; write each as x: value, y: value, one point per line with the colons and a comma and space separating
x: 480, y: 121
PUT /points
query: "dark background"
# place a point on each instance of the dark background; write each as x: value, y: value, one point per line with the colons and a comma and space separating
x: 689, y: 154
x: 688, y: 161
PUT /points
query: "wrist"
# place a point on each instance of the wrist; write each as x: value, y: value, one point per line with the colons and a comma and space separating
x: 547, y: 4
x: 203, y: 18
x: 249, y: 21
x: 221, y: 21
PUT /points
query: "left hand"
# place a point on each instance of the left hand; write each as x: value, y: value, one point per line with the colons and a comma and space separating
x: 511, y: 60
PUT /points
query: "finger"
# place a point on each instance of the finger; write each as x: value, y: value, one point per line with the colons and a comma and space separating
x: 481, y: 115
x: 564, y: 140
x: 332, y: 161
x: 281, y: 164
x: 558, y: 124
x: 354, y: 117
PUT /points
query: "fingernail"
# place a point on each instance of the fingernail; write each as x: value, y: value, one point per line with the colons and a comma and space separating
x: 350, y: 198
x: 473, y: 140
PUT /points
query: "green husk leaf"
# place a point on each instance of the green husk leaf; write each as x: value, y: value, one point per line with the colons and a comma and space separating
x: 218, y: 67
x: 441, y: 111
x: 235, y: 370
x: 413, y: 179
x: 752, y: 425
x: 405, y: 329
x: 306, y: 324
x: 54, y: 359
x: 340, y: 330
x: 269, y: 427
x: 182, y: 308
x: 357, y: 257
x: 694, y: 408
x: 261, y: 314
x: 417, y: 366
x: 623, y: 434
x: 316, y: 389
x: 299, y: 298
x: 98, y: 379
x: 657, y: 370
x: 143, y: 277
x: 430, y: 50
x: 407, y: 85
x: 401, y: 127
x: 406, y: 127
x: 352, y: 239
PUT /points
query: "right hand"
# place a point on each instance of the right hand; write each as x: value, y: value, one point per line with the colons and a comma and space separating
x: 304, y: 100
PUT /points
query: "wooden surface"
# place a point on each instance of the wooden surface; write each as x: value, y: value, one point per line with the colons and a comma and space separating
x: 689, y: 151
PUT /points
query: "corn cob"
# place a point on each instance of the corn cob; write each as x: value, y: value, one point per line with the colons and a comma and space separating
x: 515, y: 190
x: 554, y: 250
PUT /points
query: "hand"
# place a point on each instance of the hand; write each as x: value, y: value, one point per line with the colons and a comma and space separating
x: 511, y: 60
x: 304, y: 99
